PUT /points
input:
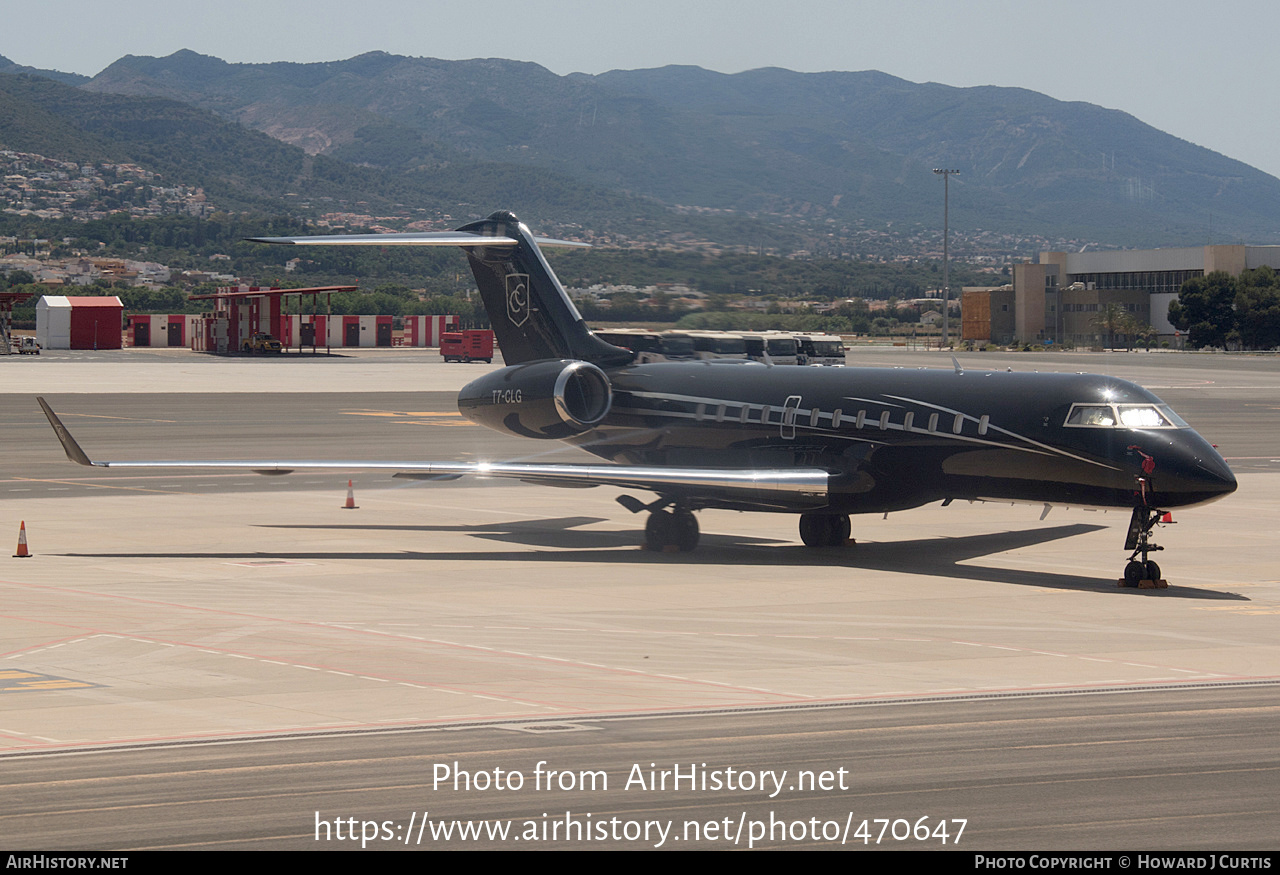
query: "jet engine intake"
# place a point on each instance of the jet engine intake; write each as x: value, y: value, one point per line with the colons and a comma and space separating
x: 553, y: 398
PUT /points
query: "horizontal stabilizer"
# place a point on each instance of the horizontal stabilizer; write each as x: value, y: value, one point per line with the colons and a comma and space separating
x: 428, y: 238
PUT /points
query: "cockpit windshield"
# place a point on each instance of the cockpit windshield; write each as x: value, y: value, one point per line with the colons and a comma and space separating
x: 1123, y: 416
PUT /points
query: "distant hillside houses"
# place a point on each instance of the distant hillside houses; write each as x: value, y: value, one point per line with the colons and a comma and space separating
x: 85, y: 271
x: 48, y: 188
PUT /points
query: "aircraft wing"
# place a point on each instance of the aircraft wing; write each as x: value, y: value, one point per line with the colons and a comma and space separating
x: 790, y: 487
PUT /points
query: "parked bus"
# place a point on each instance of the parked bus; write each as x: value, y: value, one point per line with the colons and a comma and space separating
x: 820, y: 349
x: 770, y: 347
x: 718, y: 345
x: 651, y: 346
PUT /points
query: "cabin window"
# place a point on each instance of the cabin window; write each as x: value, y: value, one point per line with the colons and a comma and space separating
x: 933, y: 422
x: 884, y: 421
x: 1092, y: 416
x: 1123, y: 416
x: 907, y: 420
x: 1141, y: 416
x: 958, y: 425
x: 835, y: 417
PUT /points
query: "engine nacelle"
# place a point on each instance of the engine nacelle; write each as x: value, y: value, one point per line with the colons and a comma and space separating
x: 553, y: 398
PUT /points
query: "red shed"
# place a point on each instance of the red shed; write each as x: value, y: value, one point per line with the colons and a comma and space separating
x: 79, y: 322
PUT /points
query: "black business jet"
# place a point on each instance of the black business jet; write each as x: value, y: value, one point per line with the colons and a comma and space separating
x: 823, y: 443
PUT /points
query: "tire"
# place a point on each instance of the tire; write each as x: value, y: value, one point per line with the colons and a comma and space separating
x: 1134, y: 573
x: 684, y: 531
x: 1152, y: 570
x: 816, y: 529
x: 658, y: 530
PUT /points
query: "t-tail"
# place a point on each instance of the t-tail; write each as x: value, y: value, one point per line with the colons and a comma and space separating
x: 531, y: 314
x: 529, y: 310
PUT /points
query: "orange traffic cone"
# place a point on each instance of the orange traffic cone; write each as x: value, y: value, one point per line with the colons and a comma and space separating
x: 351, y: 498
x: 22, y: 553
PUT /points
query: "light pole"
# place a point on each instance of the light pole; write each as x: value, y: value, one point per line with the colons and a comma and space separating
x: 946, y: 254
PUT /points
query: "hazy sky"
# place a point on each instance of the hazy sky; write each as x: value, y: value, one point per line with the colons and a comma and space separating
x: 1206, y: 72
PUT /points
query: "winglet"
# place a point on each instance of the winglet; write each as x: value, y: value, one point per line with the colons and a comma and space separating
x: 69, y: 445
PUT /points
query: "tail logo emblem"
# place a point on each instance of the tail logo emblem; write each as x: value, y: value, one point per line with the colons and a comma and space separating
x: 518, y: 298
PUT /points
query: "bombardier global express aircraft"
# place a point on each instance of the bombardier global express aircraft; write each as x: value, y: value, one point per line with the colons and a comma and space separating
x: 823, y: 443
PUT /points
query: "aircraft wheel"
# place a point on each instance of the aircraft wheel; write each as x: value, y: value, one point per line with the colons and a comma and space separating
x: 1134, y: 573
x: 677, y: 529
x: 843, y: 529
x: 1152, y: 570
x: 684, y: 530
x: 817, y: 529
x: 658, y: 530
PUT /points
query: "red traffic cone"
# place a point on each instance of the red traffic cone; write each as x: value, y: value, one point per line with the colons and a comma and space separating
x: 351, y: 498
x: 22, y: 553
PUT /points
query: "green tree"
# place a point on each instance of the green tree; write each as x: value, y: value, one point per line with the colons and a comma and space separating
x: 1257, y: 309
x: 1206, y: 308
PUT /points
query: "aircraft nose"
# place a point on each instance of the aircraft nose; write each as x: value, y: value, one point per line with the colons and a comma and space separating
x: 1218, y: 476
x: 1194, y: 473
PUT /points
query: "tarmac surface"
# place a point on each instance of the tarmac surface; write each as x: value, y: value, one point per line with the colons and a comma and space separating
x: 973, y: 658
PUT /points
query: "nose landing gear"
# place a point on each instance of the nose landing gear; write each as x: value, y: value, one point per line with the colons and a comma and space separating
x: 1143, y: 573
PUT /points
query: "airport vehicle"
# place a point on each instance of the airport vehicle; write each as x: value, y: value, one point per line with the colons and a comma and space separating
x: 770, y: 347
x: 822, y: 443
x: 651, y: 346
x: 26, y: 345
x: 819, y: 349
x: 709, y: 345
x: 647, y: 345
x: 260, y: 342
x: 469, y: 345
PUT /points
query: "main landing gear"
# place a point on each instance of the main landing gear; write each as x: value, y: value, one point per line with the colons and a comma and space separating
x: 824, y: 529
x: 1143, y: 573
x: 671, y: 530
x: 667, y: 531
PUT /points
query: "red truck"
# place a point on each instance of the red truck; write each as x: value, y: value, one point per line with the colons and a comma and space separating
x: 475, y: 344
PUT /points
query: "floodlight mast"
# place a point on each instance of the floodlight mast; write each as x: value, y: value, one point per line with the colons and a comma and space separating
x: 946, y: 254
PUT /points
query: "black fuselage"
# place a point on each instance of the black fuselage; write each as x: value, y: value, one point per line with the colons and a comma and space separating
x: 897, y: 438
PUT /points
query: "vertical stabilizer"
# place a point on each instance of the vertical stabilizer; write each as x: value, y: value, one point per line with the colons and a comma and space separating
x: 529, y: 310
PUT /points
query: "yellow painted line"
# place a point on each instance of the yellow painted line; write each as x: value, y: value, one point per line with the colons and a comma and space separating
x: 50, y: 685
x: 18, y: 681
x: 439, y: 422
x: 400, y: 413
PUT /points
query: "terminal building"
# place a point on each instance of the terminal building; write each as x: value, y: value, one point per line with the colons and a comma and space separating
x: 1058, y: 298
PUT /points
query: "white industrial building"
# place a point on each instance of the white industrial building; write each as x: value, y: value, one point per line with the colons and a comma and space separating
x: 1058, y: 298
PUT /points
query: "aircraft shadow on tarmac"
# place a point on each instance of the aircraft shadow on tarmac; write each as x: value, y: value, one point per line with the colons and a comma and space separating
x: 562, y: 539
